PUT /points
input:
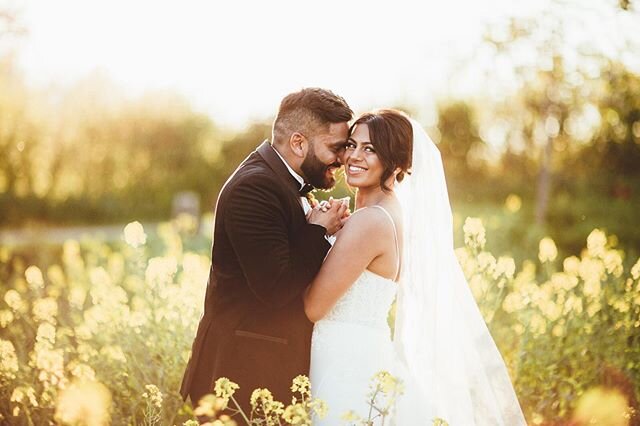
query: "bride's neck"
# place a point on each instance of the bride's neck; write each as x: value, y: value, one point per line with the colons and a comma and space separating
x: 366, y: 197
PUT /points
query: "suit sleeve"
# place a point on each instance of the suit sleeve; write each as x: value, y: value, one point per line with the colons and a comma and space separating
x: 277, y: 266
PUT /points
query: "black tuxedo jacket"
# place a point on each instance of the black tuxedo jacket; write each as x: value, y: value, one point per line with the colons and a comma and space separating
x: 254, y: 330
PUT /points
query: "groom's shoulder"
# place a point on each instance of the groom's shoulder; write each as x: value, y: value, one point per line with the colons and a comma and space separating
x: 252, y: 176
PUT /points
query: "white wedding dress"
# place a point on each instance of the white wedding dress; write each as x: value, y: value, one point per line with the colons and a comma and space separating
x: 441, y: 348
x: 351, y: 344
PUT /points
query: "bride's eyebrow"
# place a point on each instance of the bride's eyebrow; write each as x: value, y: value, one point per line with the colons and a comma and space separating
x: 356, y: 142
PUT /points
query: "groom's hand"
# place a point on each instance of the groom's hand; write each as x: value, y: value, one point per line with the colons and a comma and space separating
x: 330, y: 217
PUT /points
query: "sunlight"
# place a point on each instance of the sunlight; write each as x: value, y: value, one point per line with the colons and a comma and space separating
x: 235, y: 60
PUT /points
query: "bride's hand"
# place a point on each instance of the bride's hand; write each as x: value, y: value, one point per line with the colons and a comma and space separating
x: 330, y: 216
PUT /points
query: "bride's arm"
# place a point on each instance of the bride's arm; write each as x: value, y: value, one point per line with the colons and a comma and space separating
x: 361, y: 241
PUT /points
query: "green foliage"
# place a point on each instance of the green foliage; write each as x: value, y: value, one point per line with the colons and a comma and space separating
x: 121, y: 316
x: 95, y: 328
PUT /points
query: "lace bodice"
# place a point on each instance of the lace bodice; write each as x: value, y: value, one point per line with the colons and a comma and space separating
x: 367, y: 301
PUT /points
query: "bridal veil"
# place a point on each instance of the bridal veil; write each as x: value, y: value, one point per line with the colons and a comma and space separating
x: 440, y: 334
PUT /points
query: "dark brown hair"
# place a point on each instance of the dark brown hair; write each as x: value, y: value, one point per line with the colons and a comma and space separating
x: 391, y: 135
x: 308, y: 111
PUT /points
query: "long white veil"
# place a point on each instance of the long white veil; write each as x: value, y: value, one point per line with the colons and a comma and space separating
x: 440, y: 334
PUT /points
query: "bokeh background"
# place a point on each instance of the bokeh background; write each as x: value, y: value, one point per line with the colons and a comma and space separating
x: 116, y: 113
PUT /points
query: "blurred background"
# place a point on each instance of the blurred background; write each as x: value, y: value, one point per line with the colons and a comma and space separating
x: 115, y: 112
x: 109, y: 111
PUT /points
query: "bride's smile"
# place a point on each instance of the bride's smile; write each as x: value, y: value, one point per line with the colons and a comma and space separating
x: 362, y: 164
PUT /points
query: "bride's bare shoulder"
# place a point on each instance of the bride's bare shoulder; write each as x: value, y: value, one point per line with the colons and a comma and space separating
x: 367, y: 223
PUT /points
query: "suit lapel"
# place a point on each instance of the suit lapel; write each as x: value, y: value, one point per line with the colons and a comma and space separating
x: 268, y: 154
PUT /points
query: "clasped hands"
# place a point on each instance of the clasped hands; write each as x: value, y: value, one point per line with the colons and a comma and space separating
x: 331, y: 214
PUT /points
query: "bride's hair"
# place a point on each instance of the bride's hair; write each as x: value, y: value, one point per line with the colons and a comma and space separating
x: 391, y: 134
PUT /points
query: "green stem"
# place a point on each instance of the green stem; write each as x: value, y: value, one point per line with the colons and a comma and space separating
x: 244, y: 416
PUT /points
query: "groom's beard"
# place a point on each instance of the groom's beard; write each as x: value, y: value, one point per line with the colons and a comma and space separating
x: 317, y: 173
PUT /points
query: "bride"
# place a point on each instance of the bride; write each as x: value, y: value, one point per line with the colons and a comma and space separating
x: 398, y: 245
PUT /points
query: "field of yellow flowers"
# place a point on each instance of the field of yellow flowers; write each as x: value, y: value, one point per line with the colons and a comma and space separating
x: 101, y: 334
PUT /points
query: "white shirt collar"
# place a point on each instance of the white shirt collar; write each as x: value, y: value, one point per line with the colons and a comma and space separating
x: 296, y: 176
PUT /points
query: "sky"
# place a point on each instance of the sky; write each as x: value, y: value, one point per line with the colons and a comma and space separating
x: 235, y: 60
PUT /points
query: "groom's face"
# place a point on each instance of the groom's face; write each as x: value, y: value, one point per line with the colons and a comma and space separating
x: 324, y: 154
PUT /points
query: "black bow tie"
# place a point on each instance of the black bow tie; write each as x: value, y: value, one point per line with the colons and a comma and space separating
x: 306, y: 188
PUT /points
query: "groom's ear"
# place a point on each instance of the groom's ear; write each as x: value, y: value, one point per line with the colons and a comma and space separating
x: 298, y: 144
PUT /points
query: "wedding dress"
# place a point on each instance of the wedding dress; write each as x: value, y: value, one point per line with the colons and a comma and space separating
x: 441, y: 347
x: 351, y: 344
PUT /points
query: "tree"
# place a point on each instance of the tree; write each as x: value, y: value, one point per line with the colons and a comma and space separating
x: 556, y: 83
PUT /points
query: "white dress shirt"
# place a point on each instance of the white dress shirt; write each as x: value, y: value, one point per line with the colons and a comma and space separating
x: 306, y: 207
x: 305, y: 203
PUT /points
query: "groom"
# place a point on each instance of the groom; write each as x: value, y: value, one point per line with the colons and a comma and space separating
x: 265, y: 252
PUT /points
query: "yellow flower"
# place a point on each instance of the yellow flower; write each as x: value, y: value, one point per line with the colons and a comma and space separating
x: 621, y: 305
x: 613, y: 262
x: 87, y: 403
x: 209, y: 405
x: 474, y: 233
x: 114, y: 353
x: 635, y: 270
x: 224, y: 420
x: 296, y: 414
x: 160, y: 270
x: 574, y: 304
x: 564, y: 281
x: 387, y: 383
x: 134, y: 234
x: 83, y: 372
x: 153, y: 395
x: 592, y: 288
x: 596, y: 242
x: 602, y: 406
x: 46, y: 333
x: 301, y: 384
x: 99, y: 277
x: 487, y: 263
x: 571, y: 265
x: 513, y: 203
x: 33, y: 274
x: 513, y: 302
x: 263, y: 404
x: 225, y: 388
x: 14, y: 300
x: 51, y: 365
x: 56, y: 275
x: 6, y: 317
x: 186, y: 223
x: 547, y: 250
x: 319, y: 407
x: 551, y: 310
x: 538, y: 324
x: 591, y: 270
x: 24, y: 394
x: 350, y: 416
x: 558, y: 330
x: 593, y: 308
x: 77, y: 296
x: 8, y: 359
x: 506, y: 266
x: 45, y: 309
x: 518, y: 329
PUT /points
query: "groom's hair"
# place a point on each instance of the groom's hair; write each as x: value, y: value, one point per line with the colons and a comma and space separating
x: 309, y: 111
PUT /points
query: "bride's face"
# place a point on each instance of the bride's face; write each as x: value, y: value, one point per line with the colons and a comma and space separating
x: 362, y: 165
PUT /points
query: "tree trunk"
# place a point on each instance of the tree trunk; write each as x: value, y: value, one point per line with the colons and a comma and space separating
x: 544, y: 184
